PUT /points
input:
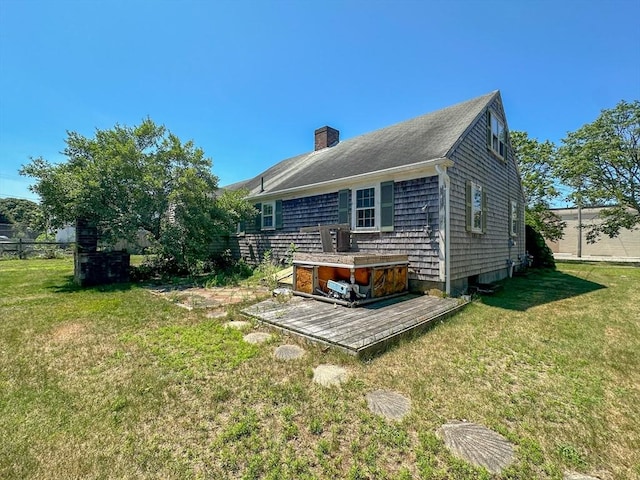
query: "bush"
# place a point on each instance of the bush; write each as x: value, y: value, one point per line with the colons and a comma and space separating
x: 536, y: 246
x: 217, y: 271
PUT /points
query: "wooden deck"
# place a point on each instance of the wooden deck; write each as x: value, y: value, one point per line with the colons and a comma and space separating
x: 359, y: 331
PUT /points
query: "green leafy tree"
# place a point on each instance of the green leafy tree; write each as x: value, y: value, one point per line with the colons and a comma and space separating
x: 536, y: 160
x: 130, y: 178
x: 601, y: 163
x: 24, y: 215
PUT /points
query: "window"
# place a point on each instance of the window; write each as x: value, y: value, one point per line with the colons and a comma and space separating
x: 369, y: 208
x: 476, y: 208
x: 514, y: 218
x: 497, y: 135
x: 366, y: 208
x: 268, y: 215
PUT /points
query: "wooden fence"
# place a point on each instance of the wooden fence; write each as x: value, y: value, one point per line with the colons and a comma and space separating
x: 25, y: 248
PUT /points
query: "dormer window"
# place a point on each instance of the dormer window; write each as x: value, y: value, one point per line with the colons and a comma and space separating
x: 496, y: 135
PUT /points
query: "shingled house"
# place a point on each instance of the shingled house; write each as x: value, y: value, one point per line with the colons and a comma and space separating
x: 442, y: 188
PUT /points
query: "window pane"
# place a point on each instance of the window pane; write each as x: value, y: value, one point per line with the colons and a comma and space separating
x: 267, y: 215
x: 365, y: 198
x: 365, y: 217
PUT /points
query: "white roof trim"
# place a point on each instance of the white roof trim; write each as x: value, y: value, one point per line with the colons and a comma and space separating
x: 405, y: 172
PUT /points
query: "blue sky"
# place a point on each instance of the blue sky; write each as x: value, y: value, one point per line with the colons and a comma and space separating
x: 249, y: 81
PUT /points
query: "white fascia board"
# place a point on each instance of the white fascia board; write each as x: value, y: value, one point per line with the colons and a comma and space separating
x: 426, y: 168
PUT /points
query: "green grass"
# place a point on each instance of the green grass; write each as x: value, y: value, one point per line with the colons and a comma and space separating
x: 113, y: 382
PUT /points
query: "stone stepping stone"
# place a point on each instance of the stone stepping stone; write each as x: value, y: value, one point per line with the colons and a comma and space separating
x: 237, y: 324
x: 216, y: 314
x: 390, y: 405
x: 328, y: 375
x: 577, y: 476
x: 257, y: 337
x: 288, y: 352
x: 477, y: 445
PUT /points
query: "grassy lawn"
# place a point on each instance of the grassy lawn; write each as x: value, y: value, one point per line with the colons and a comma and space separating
x: 114, y: 382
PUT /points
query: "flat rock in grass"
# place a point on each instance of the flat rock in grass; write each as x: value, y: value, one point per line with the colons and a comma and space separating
x: 477, y: 445
x: 577, y: 476
x: 216, y: 314
x: 288, y: 352
x: 257, y: 337
x: 328, y: 375
x: 390, y: 405
x: 237, y: 324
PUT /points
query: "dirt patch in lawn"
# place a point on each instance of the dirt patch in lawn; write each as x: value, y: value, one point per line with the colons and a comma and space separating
x: 68, y: 332
x: 216, y: 298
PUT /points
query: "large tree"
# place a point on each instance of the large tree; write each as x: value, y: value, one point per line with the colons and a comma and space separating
x: 601, y: 163
x: 24, y: 215
x: 130, y: 178
x: 536, y: 160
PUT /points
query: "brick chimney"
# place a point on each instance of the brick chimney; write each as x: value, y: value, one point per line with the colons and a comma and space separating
x: 326, y: 137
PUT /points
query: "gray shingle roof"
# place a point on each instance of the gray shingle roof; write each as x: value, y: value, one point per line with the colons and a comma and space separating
x: 427, y: 137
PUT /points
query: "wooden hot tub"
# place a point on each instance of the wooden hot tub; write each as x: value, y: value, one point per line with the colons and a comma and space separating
x: 350, y: 279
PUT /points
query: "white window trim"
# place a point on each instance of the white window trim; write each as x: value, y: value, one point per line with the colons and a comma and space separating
x: 273, y: 216
x: 354, y: 216
x: 474, y: 187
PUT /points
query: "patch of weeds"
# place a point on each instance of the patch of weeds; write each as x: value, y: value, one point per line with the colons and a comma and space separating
x: 119, y: 403
x: 288, y: 413
x: 392, y: 436
x: 255, y: 468
x: 570, y: 455
x: 290, y: 431
x: 370, y: 455
x: 460, y: 469
x: 220, y: 394
x: 266, y: 271
x: 297, y: 467
x: 242, y: 425
x: 286, y: 393
x: 315, y: 426
x: 403, y: 474
x: 530, y: 451
x: 323, y: 448
x: 356, y: 472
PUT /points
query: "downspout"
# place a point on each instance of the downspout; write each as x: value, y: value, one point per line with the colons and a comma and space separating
x: 445, y: 187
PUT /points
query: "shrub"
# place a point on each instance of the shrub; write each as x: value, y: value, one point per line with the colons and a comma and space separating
x: 536, y: 246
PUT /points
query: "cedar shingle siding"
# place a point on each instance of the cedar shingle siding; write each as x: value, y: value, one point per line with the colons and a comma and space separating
x: 410, y: 234
x: 484, y: 254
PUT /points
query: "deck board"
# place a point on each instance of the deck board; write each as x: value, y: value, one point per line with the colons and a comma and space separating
x: 359, y: 331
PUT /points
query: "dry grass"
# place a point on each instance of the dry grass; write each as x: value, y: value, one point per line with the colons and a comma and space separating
x: 117, y: 383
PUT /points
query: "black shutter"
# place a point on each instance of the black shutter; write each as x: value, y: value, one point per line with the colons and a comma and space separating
x: 343, y: 206
x: 278, y: 213
x: 468, y: 201
x: 386, y: 206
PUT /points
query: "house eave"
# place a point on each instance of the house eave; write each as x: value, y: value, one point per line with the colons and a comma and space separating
x: 405, y: 172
